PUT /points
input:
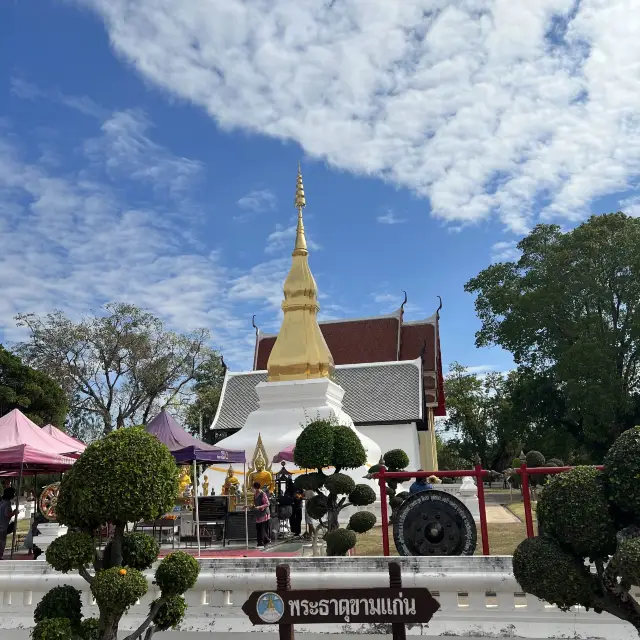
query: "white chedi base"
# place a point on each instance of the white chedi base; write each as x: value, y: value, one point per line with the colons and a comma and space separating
x: 285, y: 408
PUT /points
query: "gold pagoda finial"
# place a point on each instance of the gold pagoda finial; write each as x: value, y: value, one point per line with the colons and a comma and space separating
x: 300, y: 351
x: 301, y: 203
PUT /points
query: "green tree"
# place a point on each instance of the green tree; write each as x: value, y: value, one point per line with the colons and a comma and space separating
x: 450, y: 456
x: 323, y: 444
x: 569, y: 312
x: 32, y: 392
x: 119, y: 366
x: 586, y: 514
x: 393, y: 460
x: 207, y: 389
x: 125, y: 477
x: 481, y: 417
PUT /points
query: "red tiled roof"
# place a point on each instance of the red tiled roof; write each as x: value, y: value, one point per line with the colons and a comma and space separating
x: 376, y: 340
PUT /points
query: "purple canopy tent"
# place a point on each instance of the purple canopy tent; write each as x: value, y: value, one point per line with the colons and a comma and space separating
x: 187, y: 449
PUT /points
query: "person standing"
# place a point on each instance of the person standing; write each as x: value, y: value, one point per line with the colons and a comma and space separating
x: 261, y: 503
x: 310, y: 522
x: 295, y: 521
x: 6, y: 513
x: 420, y: 484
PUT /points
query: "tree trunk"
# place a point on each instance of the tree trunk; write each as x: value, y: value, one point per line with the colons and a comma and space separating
x: 116, y: 546
x: 109, y: 626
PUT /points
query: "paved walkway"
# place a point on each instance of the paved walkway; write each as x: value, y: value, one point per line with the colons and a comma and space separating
x: 185, y: 635
x: 497, y: 514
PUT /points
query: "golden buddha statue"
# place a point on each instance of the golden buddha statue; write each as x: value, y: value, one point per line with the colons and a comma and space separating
x: 262, y: 475
x: 184, y: 480
x: 231, y: 483
x: 205, y: 486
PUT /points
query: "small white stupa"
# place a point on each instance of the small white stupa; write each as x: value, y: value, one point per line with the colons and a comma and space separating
x: 299, y: 386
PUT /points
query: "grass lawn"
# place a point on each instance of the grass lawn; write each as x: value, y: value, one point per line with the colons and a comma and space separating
x: 503, y: 539
x: 517, y: 508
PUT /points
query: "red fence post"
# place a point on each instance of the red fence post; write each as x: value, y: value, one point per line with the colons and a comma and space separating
x: 383, y: 510
x: 484, y: 531
x: 526, y: 497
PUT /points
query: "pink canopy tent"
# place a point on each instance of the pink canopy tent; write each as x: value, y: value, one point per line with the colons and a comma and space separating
x: 75, y: 447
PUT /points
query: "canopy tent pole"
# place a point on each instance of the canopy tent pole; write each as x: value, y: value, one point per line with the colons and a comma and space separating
x: 246, y: 505
x: 15, y: 528
x: 197, y: 510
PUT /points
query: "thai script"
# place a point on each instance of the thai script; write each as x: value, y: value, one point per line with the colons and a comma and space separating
x: 353, y: 607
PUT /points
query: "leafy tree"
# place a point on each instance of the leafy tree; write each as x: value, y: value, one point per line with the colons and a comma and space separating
x: 569, y: 312
x: 207, y: 389
x: 32, y: 392
x: 481, y: 417
x: 586, y: 514
x: 119, y: 366
x: 324, y: 444
x: 125, y: 477
x: 450, y: 456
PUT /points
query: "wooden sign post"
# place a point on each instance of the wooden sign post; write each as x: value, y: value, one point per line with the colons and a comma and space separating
x: 392, y: 605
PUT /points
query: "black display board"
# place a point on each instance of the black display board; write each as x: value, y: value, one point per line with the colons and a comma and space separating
x: 235, y: 529
x: 213, y: 508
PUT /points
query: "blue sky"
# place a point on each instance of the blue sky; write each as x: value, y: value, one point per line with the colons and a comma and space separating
x: 148, y: 151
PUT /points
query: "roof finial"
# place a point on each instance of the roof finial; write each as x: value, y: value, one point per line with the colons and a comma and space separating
x: 301, y: 203
x: 403, y: 302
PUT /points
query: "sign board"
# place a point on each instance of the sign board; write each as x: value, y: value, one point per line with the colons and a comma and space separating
x: 353, y: 606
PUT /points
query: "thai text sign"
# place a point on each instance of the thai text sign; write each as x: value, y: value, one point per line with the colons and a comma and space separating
x: 324, y: 606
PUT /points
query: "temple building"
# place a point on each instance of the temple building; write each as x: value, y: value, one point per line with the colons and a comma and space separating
x: 389, y: 370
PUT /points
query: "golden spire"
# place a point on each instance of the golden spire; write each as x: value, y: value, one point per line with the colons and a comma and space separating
x: 300, y: 351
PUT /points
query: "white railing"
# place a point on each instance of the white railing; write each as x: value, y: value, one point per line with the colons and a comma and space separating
x: 478, y: 596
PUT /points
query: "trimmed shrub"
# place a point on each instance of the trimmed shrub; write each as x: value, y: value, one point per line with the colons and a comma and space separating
x: 90, y: 629
x: 118, y: 588
x: 61, y: 602
x: 310, y: 481
x: 396, y: 460
x: 339, y: 483
x: 545, y: 570
x: 72, y: 551
x: 170, y: 614
x: 574, y: 510
x: 362, y: 521
x: 534, y: 459
x: 362, y: 495
x: 622, y: 470
x: 139, y: 550
x: 317, y: 507
x: 53, y: 629
x: 129, y: 464
x: 177, y: 573
x: 314, y: 446
x: 348, y: 452
x: 340, y: 541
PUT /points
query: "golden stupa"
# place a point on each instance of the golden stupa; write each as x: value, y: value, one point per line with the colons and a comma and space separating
x: 300, y: 351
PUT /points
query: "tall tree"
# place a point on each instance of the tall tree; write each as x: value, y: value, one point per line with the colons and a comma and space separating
x: 480, y: 417
x: 569, y: 312
x: 120, y: 366
x: 32, y: 392
x: 207, y: 389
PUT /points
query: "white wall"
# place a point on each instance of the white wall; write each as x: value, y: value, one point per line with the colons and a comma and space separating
x: 396, y: 436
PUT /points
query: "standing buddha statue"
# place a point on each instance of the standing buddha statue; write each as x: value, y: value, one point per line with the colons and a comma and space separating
x: 205, y: 486
x: 184, y: 480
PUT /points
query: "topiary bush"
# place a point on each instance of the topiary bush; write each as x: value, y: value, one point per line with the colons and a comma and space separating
x: 177, y: 573
x: 127, y: 476
x: 71, y: 552
x: 362, y: 521
x: 61, y: 602
x: 322, y: 444
x: 589, y: 515
x: 339, y: 541
x: 170, y: 614
x: 395, y: 460
x: 53, y: 629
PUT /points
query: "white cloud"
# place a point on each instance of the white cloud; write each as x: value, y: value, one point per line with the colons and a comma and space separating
x: 485, y: 106
x: 390, y: 217
x: 257, y: 201
x: 72, y: 240
x: 631, y: 206
x: 283, y: 238
x: 505, y: 251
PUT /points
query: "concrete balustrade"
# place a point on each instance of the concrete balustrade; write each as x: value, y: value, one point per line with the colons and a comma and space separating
x: 478, y: 596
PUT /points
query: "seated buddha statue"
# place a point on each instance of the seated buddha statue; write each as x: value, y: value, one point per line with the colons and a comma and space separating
x: 262, y: 475
x: 184, y: 480
x: 230, y: 486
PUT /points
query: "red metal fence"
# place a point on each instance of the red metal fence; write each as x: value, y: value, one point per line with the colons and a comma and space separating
x: 479, y: 474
